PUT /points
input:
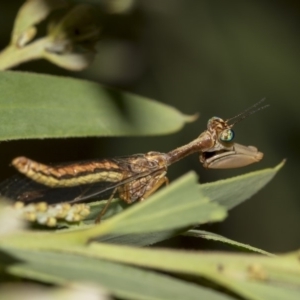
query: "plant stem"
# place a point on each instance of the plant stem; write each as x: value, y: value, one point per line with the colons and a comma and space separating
x: 12, y: 56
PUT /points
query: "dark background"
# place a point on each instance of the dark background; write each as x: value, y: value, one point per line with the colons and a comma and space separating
x: 212, y: 57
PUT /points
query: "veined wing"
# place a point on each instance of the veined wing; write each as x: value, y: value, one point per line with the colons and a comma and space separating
x: 27, y: 190
x: 21, y: 188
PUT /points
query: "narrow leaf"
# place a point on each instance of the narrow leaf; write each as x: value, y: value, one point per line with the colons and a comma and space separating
x: 250, y: 276
x: 229, y: 192
x: 233, y: 191
x: 140, y: 225
x: 176, y: 206
x: 122, y: 281
x: 216, y: 237
x: 43, y: 106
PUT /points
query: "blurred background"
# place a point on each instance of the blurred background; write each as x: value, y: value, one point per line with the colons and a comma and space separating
x: 209, y: 57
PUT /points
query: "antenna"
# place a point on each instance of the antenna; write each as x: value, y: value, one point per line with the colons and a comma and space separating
x: 246, y: 113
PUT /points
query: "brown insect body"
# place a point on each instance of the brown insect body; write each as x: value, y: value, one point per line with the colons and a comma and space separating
x: 133, y: 176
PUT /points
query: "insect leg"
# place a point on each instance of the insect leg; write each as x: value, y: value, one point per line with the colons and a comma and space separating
x: 104, y: 209
x: 156, y: 186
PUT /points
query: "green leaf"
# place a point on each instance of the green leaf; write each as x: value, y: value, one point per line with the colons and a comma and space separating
x: 123, y: 281
x: 229, y: 192
x: 65, y: 255
x: 174, y: 207
x: 216, y: 237
x: 43, y: 106
x: 179, y: 205
x: 168, y: 212
x: 251, y: 276
x: 233, y: 191
x: 116, y: 206
x: 140, y: 239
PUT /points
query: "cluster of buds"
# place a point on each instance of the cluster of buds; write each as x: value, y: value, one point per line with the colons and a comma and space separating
x: 49, y: 215
x: 69, y: 42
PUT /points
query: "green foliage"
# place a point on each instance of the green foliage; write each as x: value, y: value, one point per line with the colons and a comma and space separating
x: 108, y: 256
x: 82, y: 254
x: 42, y: 106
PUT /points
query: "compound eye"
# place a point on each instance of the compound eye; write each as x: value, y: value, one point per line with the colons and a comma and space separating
x: 226, y: 135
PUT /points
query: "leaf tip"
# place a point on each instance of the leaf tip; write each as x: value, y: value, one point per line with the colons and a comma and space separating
x: 191, y: 118
x: 280, y: 165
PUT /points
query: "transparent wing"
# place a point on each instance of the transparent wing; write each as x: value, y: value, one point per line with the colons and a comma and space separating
x: 21, y: 188
x: 24, y: 189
